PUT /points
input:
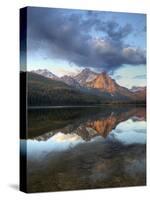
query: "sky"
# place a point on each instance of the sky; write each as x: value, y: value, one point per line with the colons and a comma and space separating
x: 66, y: 41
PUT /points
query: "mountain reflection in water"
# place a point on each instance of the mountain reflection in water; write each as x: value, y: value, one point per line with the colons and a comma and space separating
x: 71, y: 148
x: 86, y: 122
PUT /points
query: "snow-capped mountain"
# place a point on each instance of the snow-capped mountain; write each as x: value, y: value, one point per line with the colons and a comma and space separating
x: 86, y: 75
x: 105, y: 83
x: 46, y: 73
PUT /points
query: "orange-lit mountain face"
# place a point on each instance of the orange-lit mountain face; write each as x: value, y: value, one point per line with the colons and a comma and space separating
x: 105, y: 83
x: 104, y: 126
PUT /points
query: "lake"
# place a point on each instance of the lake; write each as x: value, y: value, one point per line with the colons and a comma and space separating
x: 71, y: 148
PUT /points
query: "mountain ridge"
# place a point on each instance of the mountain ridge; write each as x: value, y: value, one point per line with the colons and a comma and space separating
x: 99, y: 84
x: 46, y: 73
x: 85, y: 76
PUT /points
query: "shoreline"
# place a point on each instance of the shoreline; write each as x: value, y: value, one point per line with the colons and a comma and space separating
x: 85, y: 106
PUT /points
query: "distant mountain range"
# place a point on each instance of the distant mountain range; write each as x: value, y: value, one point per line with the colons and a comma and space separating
x: 45, y: 73
x: 87, y: 87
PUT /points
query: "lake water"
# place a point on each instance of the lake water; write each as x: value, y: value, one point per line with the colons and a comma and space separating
x: 86, y: 147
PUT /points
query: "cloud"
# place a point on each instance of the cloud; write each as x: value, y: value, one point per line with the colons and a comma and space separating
x: 140, y: 76
x: 81, y: 38
x: 115, y: 31
x: 118, y: 77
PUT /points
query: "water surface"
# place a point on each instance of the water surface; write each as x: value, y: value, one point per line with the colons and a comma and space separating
x: 81, y: 148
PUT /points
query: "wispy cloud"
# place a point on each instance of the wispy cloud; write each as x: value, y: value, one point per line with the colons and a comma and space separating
x: 118, y: 77
x: 140, y: 76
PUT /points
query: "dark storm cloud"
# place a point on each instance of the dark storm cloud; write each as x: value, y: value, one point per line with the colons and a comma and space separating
x: 81, y: 37
x: 113, y: 30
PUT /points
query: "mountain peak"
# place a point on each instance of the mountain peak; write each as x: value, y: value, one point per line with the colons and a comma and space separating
x: 87, y: 70
x: 104, y: 73
x: 104, y: 82
x: 46, y: 73
x: 85, y: 76
x: 41, y: 71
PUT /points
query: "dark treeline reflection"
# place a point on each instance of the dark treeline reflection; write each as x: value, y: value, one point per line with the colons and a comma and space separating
x: 101, y: 119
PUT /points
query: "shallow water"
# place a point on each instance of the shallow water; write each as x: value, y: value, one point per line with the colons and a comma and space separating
x: 81, y: 148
